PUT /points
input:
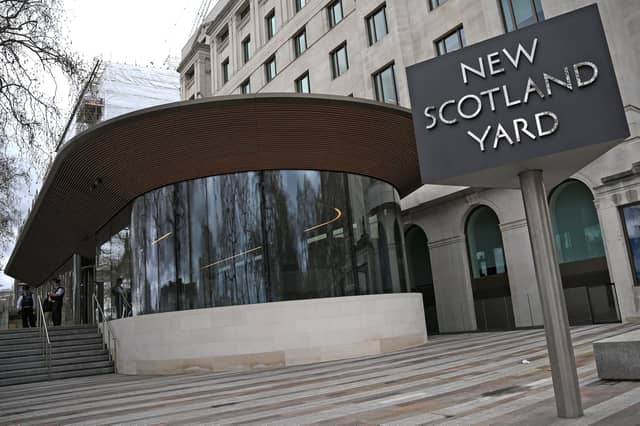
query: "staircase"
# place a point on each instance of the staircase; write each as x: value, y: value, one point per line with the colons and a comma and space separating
x: 75, y: 351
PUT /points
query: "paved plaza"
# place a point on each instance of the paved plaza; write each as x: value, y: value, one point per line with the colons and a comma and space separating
x: 479, y: 378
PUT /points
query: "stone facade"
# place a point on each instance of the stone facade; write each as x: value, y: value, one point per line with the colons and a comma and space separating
x: 441, y: 212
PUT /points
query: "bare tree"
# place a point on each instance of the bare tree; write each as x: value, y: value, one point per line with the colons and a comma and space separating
x: 34, y: 55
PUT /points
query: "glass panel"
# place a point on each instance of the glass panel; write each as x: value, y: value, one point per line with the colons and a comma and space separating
x: 335, y: 13
x: 388, y: 86
x: 631, y: 215
x: 523, y: 13
x: 486, y: 253
x: 575, y: 223
x: 507, y: 15
x: 301, y: 43
x: 452, y: 42
x: 341, y: 60
x: 258, y: 237
x: 539, y: 12
x: 380, y: 24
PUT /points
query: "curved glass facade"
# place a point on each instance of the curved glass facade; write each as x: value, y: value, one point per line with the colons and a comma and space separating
x: 254, y: 237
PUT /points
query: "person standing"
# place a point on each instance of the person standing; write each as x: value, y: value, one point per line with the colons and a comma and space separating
x: 56, y: 298
x: 25, y: 307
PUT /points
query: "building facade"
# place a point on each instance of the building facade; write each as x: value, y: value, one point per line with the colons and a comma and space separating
x: 467, y: 248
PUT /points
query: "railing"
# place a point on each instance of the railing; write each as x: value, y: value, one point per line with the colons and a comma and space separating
x: 44, y: 336
x: 111, y: 337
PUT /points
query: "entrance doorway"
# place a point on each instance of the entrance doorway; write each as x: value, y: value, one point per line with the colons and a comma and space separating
x: 489, y: 280
x: 420, y: 272
x: 589, y: 293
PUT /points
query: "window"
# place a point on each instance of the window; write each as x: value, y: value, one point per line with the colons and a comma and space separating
x: 245, y: 87
x: 246, y: 49
x: 270, y: 70
x: 303, y: 84
x: 270, y: 24
x: 452, y: 41
x: 377, y: 25
x: 518, y: 14
x: 334, y: 10
x: 300, y: 42
x: 435, y: 3
x: 339, y: 61
x: 385, y: 84
x: 631, y: 218
x: 300, y: 4
x: 223, y: 36
x: 225, y: 71
x: 244, y: 12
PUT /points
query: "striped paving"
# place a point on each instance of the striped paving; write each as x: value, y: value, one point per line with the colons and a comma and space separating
x: 475, y: 378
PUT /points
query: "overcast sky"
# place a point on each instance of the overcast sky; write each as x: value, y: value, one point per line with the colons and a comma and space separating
x: 141, y: 32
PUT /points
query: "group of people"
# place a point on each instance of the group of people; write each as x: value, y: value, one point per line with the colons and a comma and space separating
x: 26, y: 305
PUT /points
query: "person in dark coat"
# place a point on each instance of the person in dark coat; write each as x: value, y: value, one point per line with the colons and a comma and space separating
x: 25, y: 306
x: 56, y: 298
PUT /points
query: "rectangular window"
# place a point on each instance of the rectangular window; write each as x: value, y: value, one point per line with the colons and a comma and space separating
x: 270, y: 24
x: 270, y: 69
x: 246, y: 49
x: 225, y: 70
x: 300, y: 42
x: 244, y: 12
x: 435, y: 3
x: 339, y: 61
x: 631, y: 218
x: 334, y: 11
x: 377, y: 24
x: 385, y: 84
x: 452, y: 41
x: 303, y: 85
x: 245, y: 87
x: 223, y: 36
x: 518, y: 14
x: 300, y: 4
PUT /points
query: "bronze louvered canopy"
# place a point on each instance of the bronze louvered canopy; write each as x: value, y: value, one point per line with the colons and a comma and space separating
x: 100, y: 171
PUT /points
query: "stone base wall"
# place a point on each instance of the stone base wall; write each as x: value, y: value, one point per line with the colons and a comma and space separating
x: 269, y: 335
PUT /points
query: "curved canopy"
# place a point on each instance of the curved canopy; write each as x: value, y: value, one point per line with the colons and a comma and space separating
x: 100, y: 171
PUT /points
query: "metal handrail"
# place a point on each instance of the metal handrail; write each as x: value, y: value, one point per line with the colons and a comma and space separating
x: 44, y: 336
x: 112, y: 351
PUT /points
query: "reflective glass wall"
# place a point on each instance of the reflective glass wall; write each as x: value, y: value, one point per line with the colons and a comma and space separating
x: 252, y: 238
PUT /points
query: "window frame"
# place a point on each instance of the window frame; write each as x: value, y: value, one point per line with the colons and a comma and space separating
x: 335, y: 69
x: 623, y: 222
x: 459, y: 30
x: 226, y: 70
x: 244, y: 85
x: 438, y: 4
x: 245, y: 45
x: 270, y: 30
x: 378, y: 74
x: 512, y: 15
x: 330, y: 15
x: 269, y: 78
x: 296, y: 46
x: 298, y: 5
x: 298, y: 82
x: 371, y: 27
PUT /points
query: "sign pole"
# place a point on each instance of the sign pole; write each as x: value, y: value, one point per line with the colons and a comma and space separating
x: 554, y: 310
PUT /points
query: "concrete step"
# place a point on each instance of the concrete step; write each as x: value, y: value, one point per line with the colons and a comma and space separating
x: 4, y: 348
x: 56, y: 350
x: 52, y: 337
x: 53, y: 331
x: 55, y: 376
x: 42, y: 363
x: 55, y: 369
x: 66, y: 328
x: 57, y: 355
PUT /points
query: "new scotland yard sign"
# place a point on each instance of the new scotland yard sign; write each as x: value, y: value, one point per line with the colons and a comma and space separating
x: 543, y: 97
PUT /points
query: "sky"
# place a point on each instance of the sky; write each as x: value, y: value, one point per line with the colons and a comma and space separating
x: 139, y: 32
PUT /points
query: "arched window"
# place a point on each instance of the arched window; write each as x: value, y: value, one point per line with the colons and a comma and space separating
x: 576, y: 229
x: 486, y: 253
